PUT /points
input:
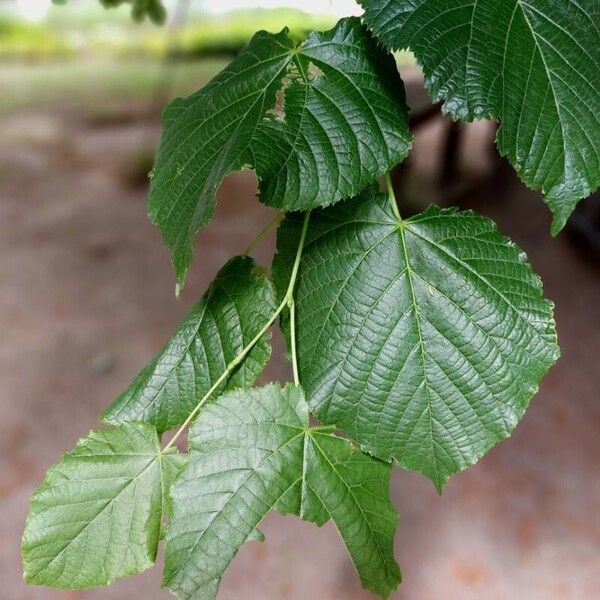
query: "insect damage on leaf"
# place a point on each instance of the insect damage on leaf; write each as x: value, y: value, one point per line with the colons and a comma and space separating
x: 421, y: 339
x: 317, y: 122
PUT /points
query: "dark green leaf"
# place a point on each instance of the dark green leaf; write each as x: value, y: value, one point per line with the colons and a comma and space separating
x: 140, y: 9
x: 253, y: 450
x: 153, y: 9
x: 97, y: 515
x: 234, y: 309
x: 534, y: 65
x: 425, y: 339
x: 317, y: 122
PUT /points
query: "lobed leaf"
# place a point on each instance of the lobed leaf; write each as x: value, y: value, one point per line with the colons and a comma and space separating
x: 533, y: 64
x: 317, y: 122
x: 424, y: 339
x: 235, y: 308
x: 253, y: 450
x: 97, y: 515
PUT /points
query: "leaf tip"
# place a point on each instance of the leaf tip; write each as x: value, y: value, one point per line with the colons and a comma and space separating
x: 180, y: 282
x: 558, y: 223
x: 439, y: 485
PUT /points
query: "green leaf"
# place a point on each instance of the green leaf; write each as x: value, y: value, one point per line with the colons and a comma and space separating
x: 140, y: 9
x: 237, y: 305
x: 97, y: 515
x: 423, y: 340
x: 253, y: 450
x: 534, y: 65
x: 317, y: 122
x: 153, y: 9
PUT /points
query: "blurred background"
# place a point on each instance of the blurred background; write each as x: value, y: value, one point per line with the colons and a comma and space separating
x: 86, y: 298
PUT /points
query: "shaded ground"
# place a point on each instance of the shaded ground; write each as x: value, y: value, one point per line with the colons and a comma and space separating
x: 86, y: 298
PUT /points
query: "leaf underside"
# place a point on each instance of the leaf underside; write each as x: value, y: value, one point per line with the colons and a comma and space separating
x: 97, y: 515
x: 424, y: 341
x: 253, y: 450
x: 534, y: 65
x: 237, y: 305
x: 317, y: 122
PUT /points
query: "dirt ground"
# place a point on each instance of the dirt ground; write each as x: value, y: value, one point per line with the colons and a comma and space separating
x: 86, y: 298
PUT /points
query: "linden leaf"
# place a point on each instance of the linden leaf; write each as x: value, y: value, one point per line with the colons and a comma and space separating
x: 97, y: 515
x: 318, y: 122
x: 253, y: 450
x: 423, y: 340
x: 237, y: 305
x: 532, y: 64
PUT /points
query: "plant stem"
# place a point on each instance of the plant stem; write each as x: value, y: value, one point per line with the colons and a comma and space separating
x: 288, y: 300
x: 392, y: 196
x: 274, y: 221
x: 292, y: 309
x: 230, y: 367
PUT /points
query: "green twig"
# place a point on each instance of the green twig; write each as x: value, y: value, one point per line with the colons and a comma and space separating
x: 292, y: 309
x: 288, y: 300
x: 276, y: 219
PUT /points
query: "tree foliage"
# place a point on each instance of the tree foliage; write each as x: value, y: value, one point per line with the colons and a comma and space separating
x: 421, y: 339
x: 533, y: 65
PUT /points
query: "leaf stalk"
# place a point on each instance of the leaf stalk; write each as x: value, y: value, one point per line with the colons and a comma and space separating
x: 288, y: 301
x: 261, y: 234
x: 392, y: 197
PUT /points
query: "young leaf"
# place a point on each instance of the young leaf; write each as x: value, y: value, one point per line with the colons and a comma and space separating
x: 534, y: 65
x: 97, y: 515
x: 424, y: 339
x: 318, y: 122
x: 253, y: 450
x: 233, y: 310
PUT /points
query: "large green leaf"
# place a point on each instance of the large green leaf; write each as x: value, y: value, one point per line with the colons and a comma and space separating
x: 234, y: 309
x: 97, y: 515
x: 253, y: 450
x: 534, y: 65
x: 424, y: 339
x: 317, y: 122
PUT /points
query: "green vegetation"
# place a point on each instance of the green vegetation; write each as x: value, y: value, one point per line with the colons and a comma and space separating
x: 19, y: 39
x: 99, y: 84
x: 80, y: 31
x: 422, y: 340
x: 230, y: 35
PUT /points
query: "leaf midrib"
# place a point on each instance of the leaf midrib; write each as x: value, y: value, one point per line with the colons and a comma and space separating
x: 409, y: 278
x: 219, y: 511
x: 312, y: 436
x: 101, y: 511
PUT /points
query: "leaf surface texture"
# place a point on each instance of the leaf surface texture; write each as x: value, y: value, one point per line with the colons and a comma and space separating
x: 97, y: 515
x: 253, y: 450
x: 422, y: 340
x: 317, y: 122
x: 237, y: 305
x: 534, y: 65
